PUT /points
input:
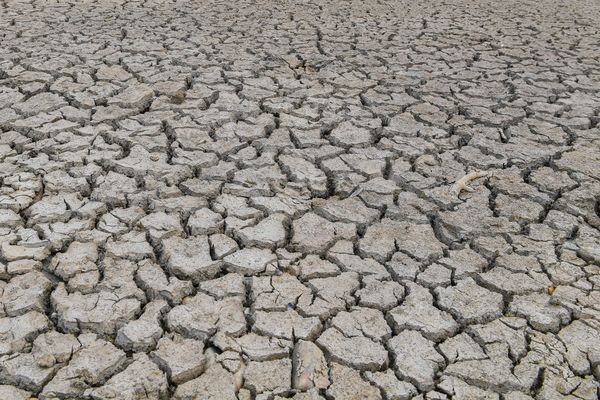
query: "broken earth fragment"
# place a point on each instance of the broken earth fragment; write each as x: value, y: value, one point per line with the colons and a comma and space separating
x: 309, y: 367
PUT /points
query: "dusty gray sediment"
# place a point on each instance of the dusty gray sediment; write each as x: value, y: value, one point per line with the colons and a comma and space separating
x: 299, y: 200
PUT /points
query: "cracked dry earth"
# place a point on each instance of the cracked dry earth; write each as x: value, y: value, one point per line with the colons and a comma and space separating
x: 294, y: 200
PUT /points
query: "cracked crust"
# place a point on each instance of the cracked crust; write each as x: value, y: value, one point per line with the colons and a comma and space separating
x: 270, y: 200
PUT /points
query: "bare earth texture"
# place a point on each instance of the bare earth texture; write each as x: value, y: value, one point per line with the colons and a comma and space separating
x: 293, y: 200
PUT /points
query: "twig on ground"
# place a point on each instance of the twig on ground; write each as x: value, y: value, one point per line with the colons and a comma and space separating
x: 356, y: 192
x: 462, y: 183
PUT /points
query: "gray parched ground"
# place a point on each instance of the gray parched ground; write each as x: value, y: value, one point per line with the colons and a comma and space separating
x: 343, y: 200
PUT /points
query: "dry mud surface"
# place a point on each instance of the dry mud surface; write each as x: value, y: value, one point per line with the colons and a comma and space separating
x: 299, y: 200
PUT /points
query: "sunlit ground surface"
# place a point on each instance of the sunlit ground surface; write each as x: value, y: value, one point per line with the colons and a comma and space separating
x: 293, y: 199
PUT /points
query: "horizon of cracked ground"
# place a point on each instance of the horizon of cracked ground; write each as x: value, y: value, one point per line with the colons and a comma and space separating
x: 299, y: 200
